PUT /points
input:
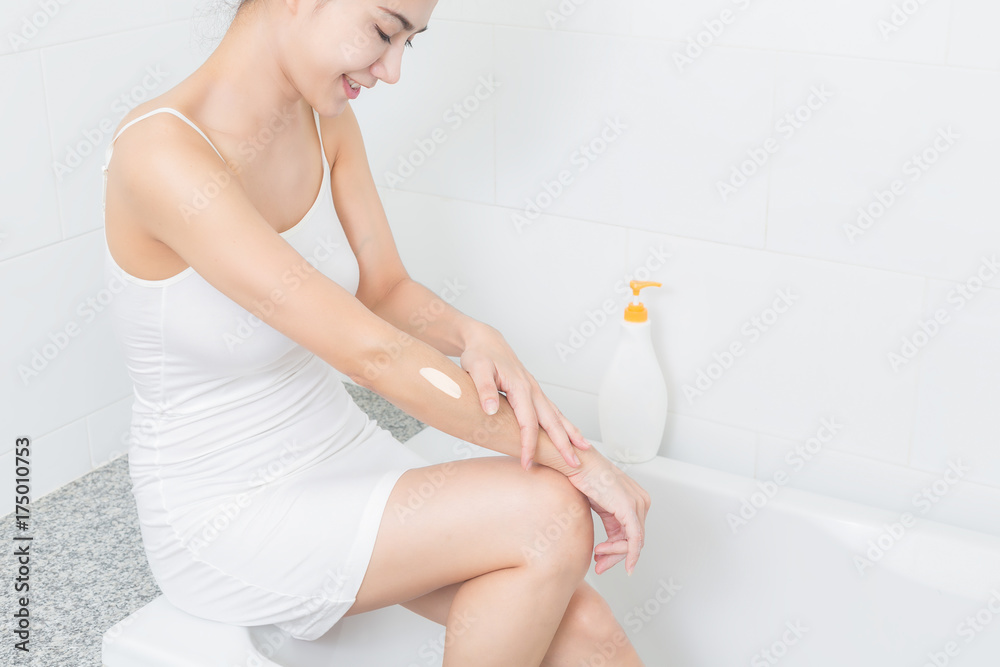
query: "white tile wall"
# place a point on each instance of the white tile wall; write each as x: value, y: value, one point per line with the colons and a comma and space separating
x: 439, y: 143
x: 56, y: 459
x: 930, y: 130
x: 599, y: 16
x: 604, y: 128
x: 959, y: 388
x: 30, y: 216
x: 649, y: 203
x: 864, y: 28
x: 38, y: 24
x: 90, y: 89
x: 822, y: 357
x: 64, y: 362
x: 972, y: 41
x: 108, y: 431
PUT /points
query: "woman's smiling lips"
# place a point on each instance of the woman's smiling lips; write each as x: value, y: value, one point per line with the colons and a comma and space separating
x: 352, y: 93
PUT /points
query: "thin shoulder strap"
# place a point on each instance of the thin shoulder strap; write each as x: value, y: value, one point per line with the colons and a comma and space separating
x: 107, y: 154
x: 319, y: 131
x: 111, y: 146
x: 155, y: 111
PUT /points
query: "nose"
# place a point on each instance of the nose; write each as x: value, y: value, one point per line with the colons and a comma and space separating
x: 388, y: 66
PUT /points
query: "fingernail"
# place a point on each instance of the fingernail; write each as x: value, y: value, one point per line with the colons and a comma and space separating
x: 492, y: 406
x: 576, y: 460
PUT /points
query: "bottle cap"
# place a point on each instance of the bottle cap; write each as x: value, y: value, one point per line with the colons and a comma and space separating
x: 635, y: 311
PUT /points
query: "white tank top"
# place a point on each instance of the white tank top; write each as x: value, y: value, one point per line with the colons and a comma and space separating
x: 217, y: 392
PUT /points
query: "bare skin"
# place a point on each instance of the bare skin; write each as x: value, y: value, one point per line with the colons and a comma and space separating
x: 468, y: 551
x: 498, y: 557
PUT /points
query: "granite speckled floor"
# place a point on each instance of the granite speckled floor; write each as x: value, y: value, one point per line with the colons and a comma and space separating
x: 88, y: 568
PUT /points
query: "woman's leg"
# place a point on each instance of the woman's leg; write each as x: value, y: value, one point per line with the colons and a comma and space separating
x: 589, y: 635
x: 518, y: 543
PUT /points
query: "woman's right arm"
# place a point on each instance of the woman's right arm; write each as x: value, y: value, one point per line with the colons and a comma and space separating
x: 234, y: 249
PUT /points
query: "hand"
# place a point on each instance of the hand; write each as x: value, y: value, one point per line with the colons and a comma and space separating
x: 493, y: 366
x: 621, y: 504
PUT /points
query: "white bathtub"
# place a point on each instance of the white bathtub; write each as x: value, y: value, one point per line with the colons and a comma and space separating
x: 786, y: 588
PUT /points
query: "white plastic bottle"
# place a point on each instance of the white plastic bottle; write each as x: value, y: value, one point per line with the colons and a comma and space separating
x: 632, y: 401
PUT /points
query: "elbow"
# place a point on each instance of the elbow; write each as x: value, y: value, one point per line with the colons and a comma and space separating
x: 373, y: 295
x: 371, y: 366
x: 359, y: 377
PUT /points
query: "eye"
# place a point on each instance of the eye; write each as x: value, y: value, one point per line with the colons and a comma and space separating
x: 386, y: 38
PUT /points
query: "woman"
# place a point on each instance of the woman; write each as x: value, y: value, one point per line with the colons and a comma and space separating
x: 264, y: 494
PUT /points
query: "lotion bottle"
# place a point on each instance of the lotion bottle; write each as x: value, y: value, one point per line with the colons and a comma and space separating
x: 632, y: 401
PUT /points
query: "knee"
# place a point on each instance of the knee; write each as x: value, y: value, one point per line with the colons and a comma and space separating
x: 563, y: 528
x: 591, y: 619
x: 589, y: 611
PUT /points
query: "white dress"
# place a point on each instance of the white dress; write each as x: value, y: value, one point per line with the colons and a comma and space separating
x: 259, y: 483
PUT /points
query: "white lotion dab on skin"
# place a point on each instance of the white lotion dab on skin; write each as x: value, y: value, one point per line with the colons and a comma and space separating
x: 442, y: 382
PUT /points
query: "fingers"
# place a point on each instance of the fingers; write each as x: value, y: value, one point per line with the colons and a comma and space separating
x: 612, y: 547
x: 486, y: 386
x: 627, y: 546
x: 641, y: 516
x: 609, y: 553
x: 624, y: 524
x: 520, y: 401
x: 575, y: 436
x: 605, y: 563
x: 531, y: 407
x: 554, y: 427
x: 633, y: 528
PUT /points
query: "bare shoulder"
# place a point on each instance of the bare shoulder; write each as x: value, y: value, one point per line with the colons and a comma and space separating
x: 164, y: 100
x: 161, y: 167
x: 144, y: 139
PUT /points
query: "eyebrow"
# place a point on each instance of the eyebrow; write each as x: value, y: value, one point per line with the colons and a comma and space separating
x: 402, y: 19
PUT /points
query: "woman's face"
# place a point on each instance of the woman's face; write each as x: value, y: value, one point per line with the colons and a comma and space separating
x: 327, y: 44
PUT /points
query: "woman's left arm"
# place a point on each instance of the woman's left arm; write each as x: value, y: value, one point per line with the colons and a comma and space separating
x: 487, y: 358
x: 386, y: 289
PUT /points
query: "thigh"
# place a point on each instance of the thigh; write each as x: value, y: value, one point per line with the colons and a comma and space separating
x: 447, y: 523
